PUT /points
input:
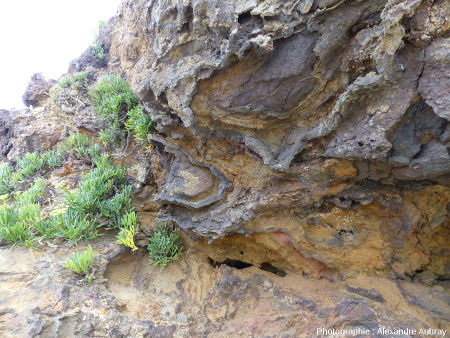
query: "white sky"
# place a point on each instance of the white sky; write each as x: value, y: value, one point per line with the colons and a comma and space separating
x: 43, y: 36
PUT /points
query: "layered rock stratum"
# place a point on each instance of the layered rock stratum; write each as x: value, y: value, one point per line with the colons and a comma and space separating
x: 301, y: 146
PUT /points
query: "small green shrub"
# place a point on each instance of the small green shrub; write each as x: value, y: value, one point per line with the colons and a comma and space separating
x: 97, y: 50
x: 115, y: 102
x: 112, y: 95
x: 5, y: 178
x: 59, y: 210
x: 71, y: 226
x: 31, y: 195
x: 16, y: 223
x: 17, y: 234
x: 81, y: 146
x: 90, y: 194
x: 52, y: 158
x: 101, y: 199
x: 30, y: 163
x: 112, y: 98
x: 79, y: 80
x: 75, y: 142
x: 96, y: 47
x: 139, y: 124
x: 112, y: 134
x: 87, y: 203
x: 80, y: 262
x: 80, y: 76
x: 64, y: 82
x: 94, y: 152
x: 126, y: 234
x: 165, y: 246
x: 117, y: 205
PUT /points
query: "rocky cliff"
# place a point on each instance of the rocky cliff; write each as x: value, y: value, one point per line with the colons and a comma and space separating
x: 323, y: 125
x: 301, y: 146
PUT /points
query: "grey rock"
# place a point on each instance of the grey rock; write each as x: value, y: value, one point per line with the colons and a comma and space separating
x: 435, y: 80
x: 37, y: 90
x: 354, y: 312
x: 6, y: 132
x: 368, y: 293
x: 418, y: 126
x: 190, y: 183
x: 433, y: 161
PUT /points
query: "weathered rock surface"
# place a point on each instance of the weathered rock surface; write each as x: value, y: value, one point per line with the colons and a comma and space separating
x: 304, y: 139
x: 37, y: 90
x: 323, y: 121
x: 6, y: 127
x: 130, y: 298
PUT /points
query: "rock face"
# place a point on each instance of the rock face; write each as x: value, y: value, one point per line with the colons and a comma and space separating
x: 323, y: 121
x: 191, y: 298
x: 303, y: 148
x: 6, y: 127
x: 37, y: 90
